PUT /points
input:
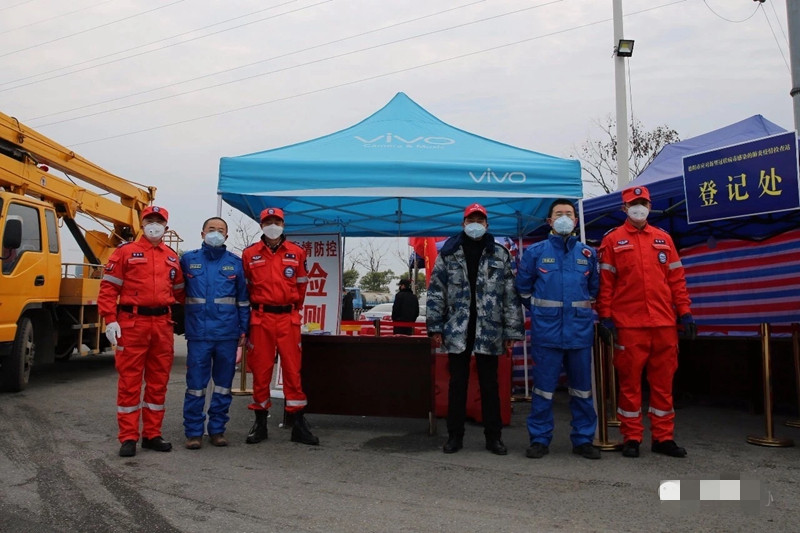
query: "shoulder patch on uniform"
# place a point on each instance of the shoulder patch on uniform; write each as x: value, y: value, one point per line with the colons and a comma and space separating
x: 586, y: 252
x: 662, y: 258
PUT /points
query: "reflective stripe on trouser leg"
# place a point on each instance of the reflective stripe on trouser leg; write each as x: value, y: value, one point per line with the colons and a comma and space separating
x: 129, y: 362
x: 157, y: 366
x: 661, y: 367
x: 261, y: 357
x: 545, y: 371
x: 223, y: 368
x: 578, y: 364
x: 291, y: 361
x: 630, y: 356
x: 198, y: 372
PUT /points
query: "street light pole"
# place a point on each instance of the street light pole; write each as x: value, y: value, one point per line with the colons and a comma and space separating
x: 793, y: 23
x: 623, y: 143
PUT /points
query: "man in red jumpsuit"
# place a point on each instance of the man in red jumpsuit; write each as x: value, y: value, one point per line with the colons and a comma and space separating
x: 142, y: 280
x: 642, y: 292
x: 276, y: 275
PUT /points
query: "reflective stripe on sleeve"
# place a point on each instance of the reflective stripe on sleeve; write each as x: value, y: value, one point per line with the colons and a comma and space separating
x: 580, y: 393
x: 525, y: 296
x: 659, y: 412
x: 190, y: 301
x: 112, y: 279
x: 582, y: 303
x: 245, y: 303
x: 296, y: 403
x: 302, y: 280
x: 543, y: 394
x: 610, y: 268
x: 230, y: 300
x: 676, y: 264
x: 178, y: 286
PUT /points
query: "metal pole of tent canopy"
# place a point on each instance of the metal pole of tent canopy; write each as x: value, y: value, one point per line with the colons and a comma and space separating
x: 219, y: 205
x: 525, y: 339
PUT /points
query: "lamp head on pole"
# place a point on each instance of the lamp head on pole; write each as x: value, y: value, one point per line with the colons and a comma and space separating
x: 624, y: 48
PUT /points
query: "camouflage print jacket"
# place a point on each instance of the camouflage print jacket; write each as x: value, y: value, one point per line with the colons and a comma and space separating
x: 498, y: 305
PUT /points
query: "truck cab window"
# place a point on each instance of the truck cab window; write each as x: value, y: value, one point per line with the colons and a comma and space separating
x: 52, y: 232
x: 31, y: 235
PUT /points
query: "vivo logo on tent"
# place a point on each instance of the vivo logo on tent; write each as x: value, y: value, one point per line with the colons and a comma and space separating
x: 490, y: 176
x: 391, y: 138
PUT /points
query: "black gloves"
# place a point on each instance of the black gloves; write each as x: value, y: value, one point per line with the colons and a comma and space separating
x: 689, y: 327
x: 607, y: 330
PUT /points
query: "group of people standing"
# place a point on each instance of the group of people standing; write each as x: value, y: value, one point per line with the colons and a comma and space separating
x: 635, y: 283
x: 228, y: 302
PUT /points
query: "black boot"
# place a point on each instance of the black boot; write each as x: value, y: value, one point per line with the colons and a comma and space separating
x: 259, y: 430
x: 301, y: 431
x: 455, y: 441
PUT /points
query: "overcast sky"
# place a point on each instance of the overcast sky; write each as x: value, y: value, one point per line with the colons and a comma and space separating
x: 157, y: 91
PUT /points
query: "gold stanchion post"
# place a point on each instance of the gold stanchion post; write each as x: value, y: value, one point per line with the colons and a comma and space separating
x: 602, y: 441
x: 769, y: 439
x: 613, y: 421
x: 243, y: 390
x: 795, y: 423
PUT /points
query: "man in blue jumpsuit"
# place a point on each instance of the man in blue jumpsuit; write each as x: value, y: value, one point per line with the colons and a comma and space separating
x: 557, y: 279
x: 217, y: 317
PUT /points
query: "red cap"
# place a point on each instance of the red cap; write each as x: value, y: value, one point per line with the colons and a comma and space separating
x: 475, y: 208
x: 272, y: 212
x: 155, y: 210
x: 632, y: 193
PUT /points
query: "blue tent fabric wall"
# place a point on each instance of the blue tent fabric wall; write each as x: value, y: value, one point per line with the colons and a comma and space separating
x: 399, y: 172
x: 664, y: 178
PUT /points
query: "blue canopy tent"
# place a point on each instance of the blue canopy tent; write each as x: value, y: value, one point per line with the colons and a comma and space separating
x: 399, y: 172
x: 664, y: 179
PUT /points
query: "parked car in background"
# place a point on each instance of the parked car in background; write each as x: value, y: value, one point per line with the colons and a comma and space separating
x: 384, y: 312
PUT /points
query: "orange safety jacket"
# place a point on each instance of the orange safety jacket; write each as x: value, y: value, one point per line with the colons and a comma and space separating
x: 642, y: 282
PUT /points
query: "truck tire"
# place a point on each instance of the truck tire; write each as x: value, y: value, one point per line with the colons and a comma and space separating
x: 16, y: 369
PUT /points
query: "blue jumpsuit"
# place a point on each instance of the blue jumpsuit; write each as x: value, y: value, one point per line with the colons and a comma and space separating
x: 217, y: 314
x: 558, y: 280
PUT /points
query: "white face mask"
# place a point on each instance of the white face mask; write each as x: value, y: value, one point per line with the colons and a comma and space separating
x: 272, y: 231
x: 563, y: 225
x: 638, y: 212
x: 475, y: 230
x: 154, y: 230
x: 214, y: 238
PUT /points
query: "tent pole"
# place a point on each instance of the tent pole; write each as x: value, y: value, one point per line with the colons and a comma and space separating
x: 219, y: 205
x: 580, y: 220
x: 525, y: 339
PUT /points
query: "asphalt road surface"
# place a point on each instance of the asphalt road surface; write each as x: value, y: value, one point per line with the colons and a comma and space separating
x: 59, y: 471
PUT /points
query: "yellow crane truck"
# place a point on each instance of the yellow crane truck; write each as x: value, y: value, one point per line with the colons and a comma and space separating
x: 48, y: 310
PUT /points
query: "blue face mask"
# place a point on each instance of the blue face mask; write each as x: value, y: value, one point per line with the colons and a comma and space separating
x: 474, y: 230
x: 563, y: 225
x: 214, y: 239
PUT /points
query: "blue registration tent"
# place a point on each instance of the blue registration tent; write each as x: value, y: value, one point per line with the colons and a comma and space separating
x: 664, y: 179
x: 399, y: 172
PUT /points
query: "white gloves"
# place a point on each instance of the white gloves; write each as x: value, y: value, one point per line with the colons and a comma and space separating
x: 113, y: 332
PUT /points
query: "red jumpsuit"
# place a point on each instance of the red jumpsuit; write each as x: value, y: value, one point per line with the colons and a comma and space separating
x: 643, y: 291
x: 277, y: 284
x: 140, y: 282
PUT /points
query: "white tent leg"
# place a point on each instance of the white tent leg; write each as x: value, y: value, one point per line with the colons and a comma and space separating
x: 525, y: 339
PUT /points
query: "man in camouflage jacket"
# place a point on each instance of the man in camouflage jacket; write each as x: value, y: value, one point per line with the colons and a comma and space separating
x: 473, y: 307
